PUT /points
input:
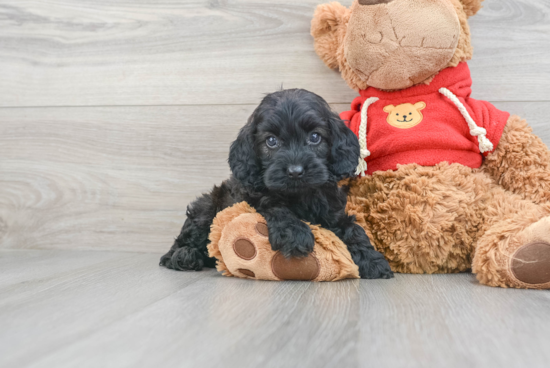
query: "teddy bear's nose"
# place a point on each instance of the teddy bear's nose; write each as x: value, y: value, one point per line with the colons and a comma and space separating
x: 374, y: 2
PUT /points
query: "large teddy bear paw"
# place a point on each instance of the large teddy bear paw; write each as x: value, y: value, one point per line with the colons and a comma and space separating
x: 530, y: 264
x: 239, y: 241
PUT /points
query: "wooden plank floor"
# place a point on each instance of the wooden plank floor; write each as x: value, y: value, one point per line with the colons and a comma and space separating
x: 111, y: 309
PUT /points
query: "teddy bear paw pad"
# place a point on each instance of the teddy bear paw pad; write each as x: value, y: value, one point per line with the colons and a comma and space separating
x: 300, y: 269
x: 531, y: 263
x: 244, y: 249
x: 261, y: 228
x: 247, y: 272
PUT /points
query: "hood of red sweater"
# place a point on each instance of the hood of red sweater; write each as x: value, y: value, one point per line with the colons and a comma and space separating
x: 457, y: 78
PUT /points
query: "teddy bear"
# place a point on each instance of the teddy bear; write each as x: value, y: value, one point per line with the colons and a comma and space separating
x: 446, y: 183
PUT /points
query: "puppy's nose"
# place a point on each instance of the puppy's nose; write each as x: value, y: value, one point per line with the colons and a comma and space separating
x: 295, y: 171
x: 374, y: 2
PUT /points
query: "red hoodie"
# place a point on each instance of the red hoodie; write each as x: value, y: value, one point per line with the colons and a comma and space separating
x: 420, y: 125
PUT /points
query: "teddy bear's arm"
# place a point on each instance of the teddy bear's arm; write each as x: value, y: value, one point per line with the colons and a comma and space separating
x: 521, y: 162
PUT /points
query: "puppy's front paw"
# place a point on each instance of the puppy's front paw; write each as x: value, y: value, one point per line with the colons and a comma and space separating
x: 374, y: 266
x: 293, y: 238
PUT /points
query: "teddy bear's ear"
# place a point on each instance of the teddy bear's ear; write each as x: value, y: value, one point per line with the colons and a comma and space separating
x: 420, y: 105
x: 471, y: 7
x: 389, y: 108
x: 327, y: 28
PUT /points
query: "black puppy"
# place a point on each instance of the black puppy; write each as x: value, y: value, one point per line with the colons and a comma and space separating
x: 286, y: 163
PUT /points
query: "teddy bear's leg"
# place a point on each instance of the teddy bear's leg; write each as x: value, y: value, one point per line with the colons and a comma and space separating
x: 423, y: 219
x: 430, y: 219
x: 240, y: 243
x: 514, y: 250
x: 245, y: 251
x: 521, y: 162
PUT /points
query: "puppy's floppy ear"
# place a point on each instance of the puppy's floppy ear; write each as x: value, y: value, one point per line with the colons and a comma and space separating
x: 471, y: 7
x: 328, y: 28
x: 243, y: 161
x: 345, y: 149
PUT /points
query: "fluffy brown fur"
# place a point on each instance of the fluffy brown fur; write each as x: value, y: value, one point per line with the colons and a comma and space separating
x: 447, y: 218
x: 521, y: 162
x: 471, y: 7
x: 451, y: 218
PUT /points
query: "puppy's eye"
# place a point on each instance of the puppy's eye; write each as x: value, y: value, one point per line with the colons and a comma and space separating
x: 314, y: 138
x: 272, y: 142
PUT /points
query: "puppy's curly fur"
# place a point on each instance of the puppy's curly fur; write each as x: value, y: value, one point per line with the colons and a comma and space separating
x: 286, y: 163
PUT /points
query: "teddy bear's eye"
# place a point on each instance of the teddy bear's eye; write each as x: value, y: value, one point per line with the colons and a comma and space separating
x: 410, y: 113
x: 397, y: 114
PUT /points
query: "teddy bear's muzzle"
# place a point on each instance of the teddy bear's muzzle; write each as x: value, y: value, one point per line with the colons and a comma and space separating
x: 392, y: 44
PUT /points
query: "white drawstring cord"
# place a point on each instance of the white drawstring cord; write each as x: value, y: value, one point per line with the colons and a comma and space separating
x: 485, y: 144
x: 362, y: 135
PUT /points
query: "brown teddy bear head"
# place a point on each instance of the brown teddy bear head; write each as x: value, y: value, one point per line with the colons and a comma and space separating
x: 393, y: 44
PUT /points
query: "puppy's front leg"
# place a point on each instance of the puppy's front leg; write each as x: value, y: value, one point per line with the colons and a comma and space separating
x: 372, y: 264
x: 287, y: 233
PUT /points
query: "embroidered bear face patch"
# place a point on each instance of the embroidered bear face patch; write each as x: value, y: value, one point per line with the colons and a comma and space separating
x: 406, y: 115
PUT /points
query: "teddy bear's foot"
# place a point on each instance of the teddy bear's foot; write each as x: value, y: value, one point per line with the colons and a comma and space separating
x: 249, y: 254
x: 241, y: 245
x: 520, y: 261
x: 531, y: 264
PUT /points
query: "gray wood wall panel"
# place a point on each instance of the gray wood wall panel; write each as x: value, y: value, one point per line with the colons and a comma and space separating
x: 120, y: 178
x: 173, y: 52
x: 123, y: 111
x: 113, y: 178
